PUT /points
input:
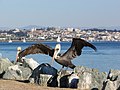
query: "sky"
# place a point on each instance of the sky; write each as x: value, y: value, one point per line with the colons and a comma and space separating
x: 60, y: 13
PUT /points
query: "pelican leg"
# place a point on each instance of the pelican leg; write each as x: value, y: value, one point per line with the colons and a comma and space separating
x: 60, y: 72
x: 64, y: 72
x: 61, y: 69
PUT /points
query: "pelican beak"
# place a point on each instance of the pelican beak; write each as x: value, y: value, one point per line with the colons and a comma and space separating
x: 53, y: 58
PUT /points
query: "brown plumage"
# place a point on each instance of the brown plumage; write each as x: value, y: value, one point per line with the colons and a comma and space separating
x: 37, y: 49
x: 64, y: 59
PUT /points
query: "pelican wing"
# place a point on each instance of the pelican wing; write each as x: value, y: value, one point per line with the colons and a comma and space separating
x: 76, y: 48
x: 37, y: 49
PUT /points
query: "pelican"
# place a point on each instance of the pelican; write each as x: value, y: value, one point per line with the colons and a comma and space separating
x: 19, y: 49
x: 64, y: 59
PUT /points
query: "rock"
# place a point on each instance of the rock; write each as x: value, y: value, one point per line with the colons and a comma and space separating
x: 13, y: 75
x: 43, y: 68
x: 113, y: 81
x: 41, y: 80
x: 73, y: 80
x: 17, y: 72
x: 114, y: 75
x: 31, y: 80
x: 53, y: 81
x: 85, y: 81
x: 4, y: 64
x: 64, y: 81
x: 44, y: 78
x: 26, y: 72
x: 70, y: 81
x: 30, y: 62
x: 110, y: 85
x: 90, y: 78
x: 15, y: 68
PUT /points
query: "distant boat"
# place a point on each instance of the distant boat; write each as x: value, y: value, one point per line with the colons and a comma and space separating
x: 24, y: 40
x: 10, y: 41
x: 58, y: 39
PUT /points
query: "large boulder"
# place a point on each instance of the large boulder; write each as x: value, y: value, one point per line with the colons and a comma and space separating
x: 90, y: 78
x: 13, y: 73
x: 20, y: 71
x: 30, y: 62
x: 4, y: 64
x: 17, y: 72
x: 69, y: 80
x: 42, y: 74
x: 113, y: 81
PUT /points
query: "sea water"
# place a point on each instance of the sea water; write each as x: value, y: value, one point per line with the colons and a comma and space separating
x: 107, y: 56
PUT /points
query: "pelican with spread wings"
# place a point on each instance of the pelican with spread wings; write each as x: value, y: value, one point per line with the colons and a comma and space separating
x: 63, y: 59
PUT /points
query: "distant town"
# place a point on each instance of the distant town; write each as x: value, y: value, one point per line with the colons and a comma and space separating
x: 51, y: 33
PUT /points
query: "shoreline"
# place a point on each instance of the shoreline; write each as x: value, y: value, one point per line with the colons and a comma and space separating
x: 52, y: 41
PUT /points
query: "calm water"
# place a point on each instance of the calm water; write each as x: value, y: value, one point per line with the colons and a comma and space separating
x: 107, y: 56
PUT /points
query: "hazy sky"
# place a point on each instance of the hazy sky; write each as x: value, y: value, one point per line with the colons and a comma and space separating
x: 70, y: 13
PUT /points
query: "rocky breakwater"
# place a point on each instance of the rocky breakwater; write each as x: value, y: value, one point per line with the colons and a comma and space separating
x: 83, y: 78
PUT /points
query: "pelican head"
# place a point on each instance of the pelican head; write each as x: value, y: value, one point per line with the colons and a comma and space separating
x: 56, y: 52
x: 19, y: 49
